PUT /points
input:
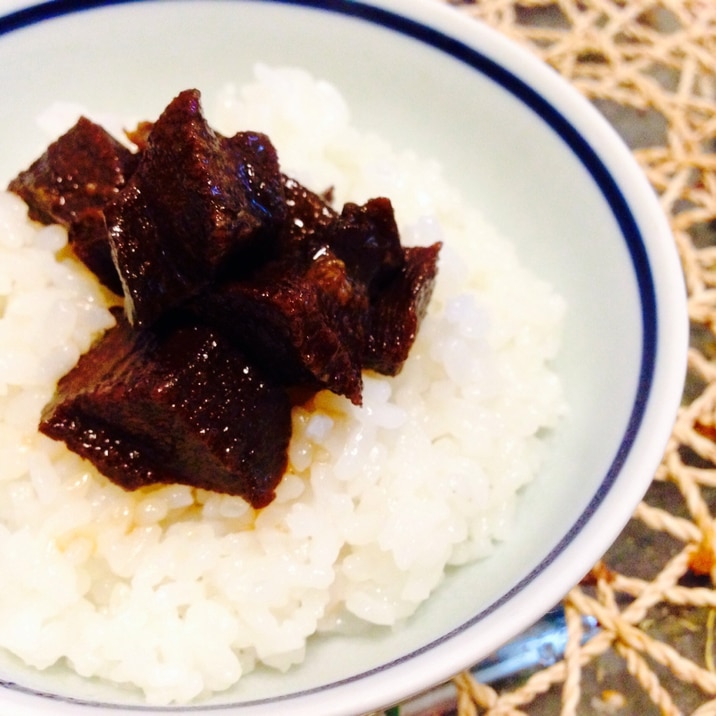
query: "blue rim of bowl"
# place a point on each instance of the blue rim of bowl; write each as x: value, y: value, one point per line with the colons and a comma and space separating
x: 590, y: 161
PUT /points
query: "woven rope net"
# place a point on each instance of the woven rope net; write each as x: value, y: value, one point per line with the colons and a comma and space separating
x: 651, y: 68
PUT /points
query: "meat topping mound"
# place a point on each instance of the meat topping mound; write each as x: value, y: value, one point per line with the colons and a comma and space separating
x: 241, y: 288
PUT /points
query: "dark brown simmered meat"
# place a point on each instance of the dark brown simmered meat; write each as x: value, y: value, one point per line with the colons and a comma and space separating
x: 308, y: 219
x: 176, y: 404
x: 366, y: 238
x: 71, y: 183
x: 398, y: 281
x: 88, y: 237
x: 83, y: 169
x: 302, y: 321
x: 396, y: 313
x: 196, y: 201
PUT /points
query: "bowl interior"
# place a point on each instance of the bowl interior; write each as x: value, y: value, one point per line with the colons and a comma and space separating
x: 518, y: 155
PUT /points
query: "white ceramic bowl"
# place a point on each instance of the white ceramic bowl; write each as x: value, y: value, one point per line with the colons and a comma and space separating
x: 539, y: 162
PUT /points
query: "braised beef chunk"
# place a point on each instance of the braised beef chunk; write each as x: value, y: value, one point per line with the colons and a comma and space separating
x: 175, y: 404
x: 308, y: 219
x: 258, y: 174
x: 366, y: 238
x: 395, y: 315
x: 89, y: 240
x: 302, y: 322
x: 70, y: 185
x: 151, y: 281
x: 82, y: 170
x: 193, y: 203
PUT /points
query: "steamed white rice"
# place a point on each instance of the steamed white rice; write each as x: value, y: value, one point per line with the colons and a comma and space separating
x: 179, y: 592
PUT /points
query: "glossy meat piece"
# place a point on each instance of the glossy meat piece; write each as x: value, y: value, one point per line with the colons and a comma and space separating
x: 89, y: 240
x: 196, y: 201
x: 398, y: 281
x: 81, y: 170
x: 70, y: 184
x: 366, y: 238
x: 303, y: 323
x: 176, y: 404
x: 308, y: 219
x: 396, y: 313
